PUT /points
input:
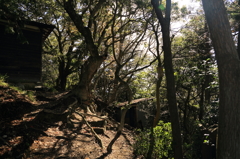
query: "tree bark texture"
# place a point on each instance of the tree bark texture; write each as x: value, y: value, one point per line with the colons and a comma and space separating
x: 229, y: 79
x: 171, y: 90
x: 88, y: 70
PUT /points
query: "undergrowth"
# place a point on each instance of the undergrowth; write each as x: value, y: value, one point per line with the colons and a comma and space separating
x: 27, y: 93
x: 162, y: 141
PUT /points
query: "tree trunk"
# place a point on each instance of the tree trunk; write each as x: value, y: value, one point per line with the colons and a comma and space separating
x: 158, y: 84
x: 171, y: 91
x: 114, y: 92
x: 202, y: 103
x: 61, y: 81
x: 171, y: 94
x: 88, y: 70
x: 229, y: 68
x: 238, y: 45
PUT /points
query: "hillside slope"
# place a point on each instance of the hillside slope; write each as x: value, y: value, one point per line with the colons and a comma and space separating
x: 26, y: 131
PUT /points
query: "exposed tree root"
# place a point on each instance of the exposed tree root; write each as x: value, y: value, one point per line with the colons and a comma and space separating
x: 119, y: 132
x: 93, y: 115
x: 70, y: 110
x: 69, y: 107
x: 94, y: 133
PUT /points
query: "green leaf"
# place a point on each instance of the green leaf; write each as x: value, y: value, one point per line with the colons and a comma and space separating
x: 161, y: 7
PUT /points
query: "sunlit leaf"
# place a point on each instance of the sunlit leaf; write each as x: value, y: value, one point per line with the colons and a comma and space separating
x: 161, y: 7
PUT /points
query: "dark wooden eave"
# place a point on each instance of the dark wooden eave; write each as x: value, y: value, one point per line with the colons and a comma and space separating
x: 46, y: 29
x: 133, y: 102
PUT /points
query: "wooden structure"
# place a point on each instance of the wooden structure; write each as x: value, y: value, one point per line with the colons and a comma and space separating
x: 22, y: 62
x: 140, y: 114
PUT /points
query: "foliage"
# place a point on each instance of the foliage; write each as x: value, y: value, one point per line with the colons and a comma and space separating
x: 211, y: 115
x: 196, y: 83
x: 49, y: 71
x: 163, y: 141
x: 30, y: 95
x: 2, y: 80
x: 193, y: 143
x: 13, y: 12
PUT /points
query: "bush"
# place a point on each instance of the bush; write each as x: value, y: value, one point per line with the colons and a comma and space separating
x: 163, y: 141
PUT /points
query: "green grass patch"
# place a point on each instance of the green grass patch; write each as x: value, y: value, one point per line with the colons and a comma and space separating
x: 27, y: 93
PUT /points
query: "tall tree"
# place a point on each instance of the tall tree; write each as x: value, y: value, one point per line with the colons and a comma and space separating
x: 93, y: 62
x: 228, y: 68
x: 164, y: 20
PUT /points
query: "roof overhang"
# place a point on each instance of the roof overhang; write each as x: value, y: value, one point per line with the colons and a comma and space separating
x: 134, y: 102
x: 46, y: 29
